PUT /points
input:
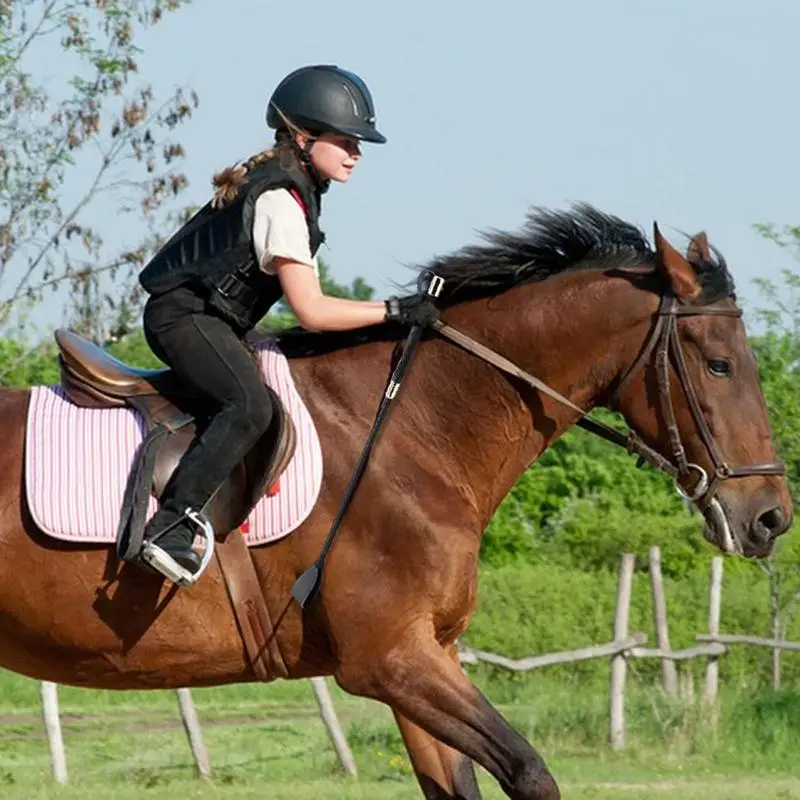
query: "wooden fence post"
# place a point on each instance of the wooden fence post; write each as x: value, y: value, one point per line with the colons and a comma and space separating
x: 669, y: 674
x: 714, y: 607
x: 616, y: 730
x: 195, y: 733
x: 328, y: 714
x: 52, y: 724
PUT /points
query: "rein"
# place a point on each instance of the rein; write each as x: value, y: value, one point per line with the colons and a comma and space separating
x: 663, y: 339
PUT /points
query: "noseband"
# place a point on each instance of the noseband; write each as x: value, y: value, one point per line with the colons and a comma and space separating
x: 663, y: 340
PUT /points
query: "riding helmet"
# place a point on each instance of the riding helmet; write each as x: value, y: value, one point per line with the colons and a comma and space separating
x: 324, y: 98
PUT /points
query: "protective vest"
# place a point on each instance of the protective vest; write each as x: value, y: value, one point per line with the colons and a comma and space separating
x: 213, y: 252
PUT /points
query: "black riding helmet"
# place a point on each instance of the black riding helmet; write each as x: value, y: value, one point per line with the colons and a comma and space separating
x: 324, y: 98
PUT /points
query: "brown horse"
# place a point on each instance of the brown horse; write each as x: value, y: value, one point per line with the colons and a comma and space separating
x: 574, y: 298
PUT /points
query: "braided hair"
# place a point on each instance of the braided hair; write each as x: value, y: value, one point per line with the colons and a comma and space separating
x: 229, y: 180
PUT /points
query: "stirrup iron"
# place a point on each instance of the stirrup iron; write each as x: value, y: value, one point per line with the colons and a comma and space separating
x: 165, y: 565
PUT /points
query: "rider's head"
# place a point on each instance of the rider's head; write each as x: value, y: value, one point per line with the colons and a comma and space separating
x: 326, y: 112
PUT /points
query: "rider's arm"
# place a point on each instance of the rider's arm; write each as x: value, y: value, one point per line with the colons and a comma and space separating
x: 317, y: 311
x: 280, y: 238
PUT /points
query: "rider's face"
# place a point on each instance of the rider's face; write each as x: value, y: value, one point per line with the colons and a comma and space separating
x: 334, y: 156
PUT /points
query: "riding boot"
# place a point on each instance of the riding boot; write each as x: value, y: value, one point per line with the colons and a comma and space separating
x: 171, y: 531
x: 203, y: 469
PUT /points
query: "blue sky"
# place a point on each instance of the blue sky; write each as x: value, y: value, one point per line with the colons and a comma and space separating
x: 682, y: 111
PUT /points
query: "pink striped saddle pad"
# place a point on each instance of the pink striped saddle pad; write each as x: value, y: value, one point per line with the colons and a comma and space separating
x: 78, y: 459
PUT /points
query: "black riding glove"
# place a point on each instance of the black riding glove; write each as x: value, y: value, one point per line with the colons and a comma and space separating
x: 413, y: 309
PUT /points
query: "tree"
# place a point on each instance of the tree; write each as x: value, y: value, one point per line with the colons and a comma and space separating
x: 359, y: 289
x: 72, y: 149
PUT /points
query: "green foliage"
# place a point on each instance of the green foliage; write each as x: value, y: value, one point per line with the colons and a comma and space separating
x: 134, y: 350
x: 585, y: 501
x: 20, y: 367
x: 778, y: 353
x: 359, y: 289
x: 531, y: 609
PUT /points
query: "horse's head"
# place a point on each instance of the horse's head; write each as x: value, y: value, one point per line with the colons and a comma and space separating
x: 694, y: 396
x: 570, y: 298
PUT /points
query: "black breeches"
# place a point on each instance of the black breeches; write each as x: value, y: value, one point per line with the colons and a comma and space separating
x: 206, y: 354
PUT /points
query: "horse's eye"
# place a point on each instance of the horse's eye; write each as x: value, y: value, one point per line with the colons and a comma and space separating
x: 719, y: 367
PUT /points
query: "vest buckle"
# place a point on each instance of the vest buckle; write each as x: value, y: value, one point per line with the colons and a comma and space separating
x: 228, y: 285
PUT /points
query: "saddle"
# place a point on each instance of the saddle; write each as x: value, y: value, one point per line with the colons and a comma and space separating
x: 92, y: 378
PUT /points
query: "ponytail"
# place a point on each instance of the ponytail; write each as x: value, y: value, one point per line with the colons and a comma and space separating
x: 229, y: 180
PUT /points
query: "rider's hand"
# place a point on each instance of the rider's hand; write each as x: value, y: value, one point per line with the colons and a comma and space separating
x: 414, y: 309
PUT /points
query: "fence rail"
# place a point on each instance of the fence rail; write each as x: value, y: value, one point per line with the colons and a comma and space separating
x: 757, y: 641
x: 624, y: 646
x: 470, y: 656
x: 712, y: 649
x: 629, y: 645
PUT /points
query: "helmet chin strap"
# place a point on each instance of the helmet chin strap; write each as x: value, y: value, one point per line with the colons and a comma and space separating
x: 305, y: 159
x: 304, y: 153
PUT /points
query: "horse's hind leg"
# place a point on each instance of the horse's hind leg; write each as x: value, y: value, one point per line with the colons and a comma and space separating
x: 443, y: 773
x: 421, y: 682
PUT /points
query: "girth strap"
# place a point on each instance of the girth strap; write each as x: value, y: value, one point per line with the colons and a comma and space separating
x: 250, y: 607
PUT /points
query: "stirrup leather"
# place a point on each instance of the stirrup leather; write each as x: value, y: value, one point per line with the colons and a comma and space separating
x: 165, y: 565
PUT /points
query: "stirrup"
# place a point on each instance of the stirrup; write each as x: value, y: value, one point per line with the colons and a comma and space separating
x: 165, y: 565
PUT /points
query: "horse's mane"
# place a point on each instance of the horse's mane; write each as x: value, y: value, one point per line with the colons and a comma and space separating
x: 553, y: 242
x: 549, y: 243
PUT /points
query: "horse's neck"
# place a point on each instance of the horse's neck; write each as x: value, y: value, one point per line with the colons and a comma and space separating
x: 576, y: 333
x: 459, y: 420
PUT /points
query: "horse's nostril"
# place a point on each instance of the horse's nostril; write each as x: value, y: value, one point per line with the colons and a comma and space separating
x: 773, y: 521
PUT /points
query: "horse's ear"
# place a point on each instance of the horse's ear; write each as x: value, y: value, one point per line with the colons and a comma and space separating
x: 698, y: 249
x: 675, y: 268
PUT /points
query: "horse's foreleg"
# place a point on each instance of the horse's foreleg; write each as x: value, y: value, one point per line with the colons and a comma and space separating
x: 421, y: 682
x: 443, y: 773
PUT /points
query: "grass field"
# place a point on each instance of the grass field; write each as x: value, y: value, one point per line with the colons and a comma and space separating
x: 268, y: 742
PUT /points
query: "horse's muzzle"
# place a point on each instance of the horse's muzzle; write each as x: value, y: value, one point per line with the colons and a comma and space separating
x: 767, y: 526
x: 734, y: 529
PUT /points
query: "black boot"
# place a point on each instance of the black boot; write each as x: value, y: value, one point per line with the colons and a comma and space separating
x: 177, y: 541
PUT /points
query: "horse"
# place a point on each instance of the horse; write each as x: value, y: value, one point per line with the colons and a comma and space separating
x: 577, y: 298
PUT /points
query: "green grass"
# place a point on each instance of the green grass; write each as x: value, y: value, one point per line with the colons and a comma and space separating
x: 268, y: 742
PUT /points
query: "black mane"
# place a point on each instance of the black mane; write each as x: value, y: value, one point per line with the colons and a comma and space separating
x: 550, y: 243
x: 553, y: 242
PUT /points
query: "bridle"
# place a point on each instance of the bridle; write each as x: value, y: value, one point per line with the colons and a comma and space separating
x: 664, y: 341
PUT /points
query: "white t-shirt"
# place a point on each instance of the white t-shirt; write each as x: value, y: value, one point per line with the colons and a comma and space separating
x: 280, y: 230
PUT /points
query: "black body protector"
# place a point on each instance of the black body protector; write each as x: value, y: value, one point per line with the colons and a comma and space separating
x: 213, y: 252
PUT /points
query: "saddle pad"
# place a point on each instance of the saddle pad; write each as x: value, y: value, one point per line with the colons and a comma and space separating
x: 77, y: 462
